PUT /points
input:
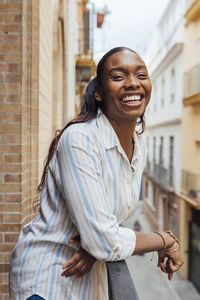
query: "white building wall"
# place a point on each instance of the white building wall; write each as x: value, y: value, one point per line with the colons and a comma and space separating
x: 163, y: 116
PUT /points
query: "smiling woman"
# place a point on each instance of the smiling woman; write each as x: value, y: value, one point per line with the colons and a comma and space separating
x: 90, y: 186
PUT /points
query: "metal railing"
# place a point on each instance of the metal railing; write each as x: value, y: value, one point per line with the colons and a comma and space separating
x: 163, y: 176
x: 190, y: 184
x: 120, y: 283
x: 192, y: 82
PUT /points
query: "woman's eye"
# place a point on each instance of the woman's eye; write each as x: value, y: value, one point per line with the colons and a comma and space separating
x: 143, y: 75
x: 117, y: 77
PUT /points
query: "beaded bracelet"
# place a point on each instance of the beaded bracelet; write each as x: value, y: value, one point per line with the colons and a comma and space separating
x: 172, y: 235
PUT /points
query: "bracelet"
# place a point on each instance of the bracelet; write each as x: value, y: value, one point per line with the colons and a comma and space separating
x: 173, y: 249
x: 172, y: 235
x: 164, y: 242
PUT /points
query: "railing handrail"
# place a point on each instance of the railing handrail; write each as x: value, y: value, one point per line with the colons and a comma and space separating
x: 120, y: 283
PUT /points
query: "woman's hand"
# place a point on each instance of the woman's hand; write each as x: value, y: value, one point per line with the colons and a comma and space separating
x: 174, y: 260
x: 80, y: 263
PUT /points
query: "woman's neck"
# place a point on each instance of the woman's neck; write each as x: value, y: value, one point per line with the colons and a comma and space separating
x: 125, y: 133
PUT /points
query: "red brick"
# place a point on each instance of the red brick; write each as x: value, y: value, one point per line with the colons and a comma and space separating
x: 11, y: 218
x: 14, y: 168
x: 10, y: 187
x: 6, y: 28
x: 4, y: 258
x: 4, y: 288
x: 11, y: 238
x: 13, y: 198
x: 12, y: 98
x: 7, y: 57
x: 10, y: 128
x: 4, y: 268
x: 10, y: 7
x: 13, y: 18
x: 12, y: 138
x: 10, y: 89
x: 10, y: 107
x: 13, y: 78
x: 7, y: 247
x: 9, y: 227
x: 12, y: 178
x: 10, y: 48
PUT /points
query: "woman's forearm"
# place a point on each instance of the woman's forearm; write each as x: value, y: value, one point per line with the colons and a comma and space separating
x: 147, y: 242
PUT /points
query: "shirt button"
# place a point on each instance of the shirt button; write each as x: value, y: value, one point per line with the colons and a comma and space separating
x: 26, y: 229
x: 115, y: 250
x: 129, y: 207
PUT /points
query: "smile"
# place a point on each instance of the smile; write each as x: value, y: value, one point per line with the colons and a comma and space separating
x: 132, y: 98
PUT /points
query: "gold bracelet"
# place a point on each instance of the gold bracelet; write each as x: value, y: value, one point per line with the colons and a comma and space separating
x: 164, y: 242
x: 173, y: 249
x: 172, y: 235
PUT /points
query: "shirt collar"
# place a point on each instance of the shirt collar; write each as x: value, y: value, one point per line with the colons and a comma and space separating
x: 109, y: 136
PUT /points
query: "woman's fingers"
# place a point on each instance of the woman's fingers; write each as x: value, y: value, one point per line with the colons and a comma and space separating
x: 80, y: 264
x: 74, y: 260
x: 75, y: 240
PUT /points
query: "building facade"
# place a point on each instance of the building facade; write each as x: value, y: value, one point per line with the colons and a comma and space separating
x: 162, y: 177
x: 190, y: 204
x: 37, y: 97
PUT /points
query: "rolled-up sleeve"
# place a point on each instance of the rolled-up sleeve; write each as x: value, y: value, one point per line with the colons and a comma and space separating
x: 79, y: 173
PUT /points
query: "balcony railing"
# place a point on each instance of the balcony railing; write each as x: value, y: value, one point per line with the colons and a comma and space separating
x: 192, y: 82
x: 190, y: 184
x: 120, y: 282
x: 163, y: 176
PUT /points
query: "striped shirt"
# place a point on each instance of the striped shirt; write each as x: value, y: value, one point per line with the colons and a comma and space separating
x: 91, y: 189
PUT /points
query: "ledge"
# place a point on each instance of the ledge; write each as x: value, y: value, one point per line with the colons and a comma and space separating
x: 194, y: 99
x: 193, y: 12
x: 191, y: 201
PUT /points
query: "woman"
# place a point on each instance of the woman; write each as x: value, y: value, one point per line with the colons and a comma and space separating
x: 90, y: 185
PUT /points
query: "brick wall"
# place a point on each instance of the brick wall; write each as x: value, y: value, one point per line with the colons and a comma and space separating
x: 18, y: 123
x: 10, y: 133
x: 34, y: 52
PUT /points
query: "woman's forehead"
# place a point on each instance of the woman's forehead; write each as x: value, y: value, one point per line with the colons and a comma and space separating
x: 124, y: 58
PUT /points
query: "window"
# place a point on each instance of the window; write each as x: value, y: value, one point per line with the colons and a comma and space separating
x: 161, y: 151
x: 171, y: 160
x: 155, y: 98
x: 154, y: 196
x: 154, y: 151
x: 172, y: 86
x: 147, y: 189
x: 163, y: 92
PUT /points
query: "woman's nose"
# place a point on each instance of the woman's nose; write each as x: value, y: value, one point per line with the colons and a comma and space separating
x: 132, y: 82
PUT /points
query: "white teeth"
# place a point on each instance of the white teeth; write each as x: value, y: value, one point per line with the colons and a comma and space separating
x: 131, y: 98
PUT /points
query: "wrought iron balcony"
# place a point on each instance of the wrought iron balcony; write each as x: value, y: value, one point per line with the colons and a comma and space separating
x: 120, y: 283
x: 190, y: 185
x: 192, y: 82
x: 161, y: 175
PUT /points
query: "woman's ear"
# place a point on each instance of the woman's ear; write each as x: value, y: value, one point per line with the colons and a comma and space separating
x: 97, y: 94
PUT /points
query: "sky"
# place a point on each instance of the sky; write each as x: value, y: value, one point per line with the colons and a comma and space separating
x: 129, y: 23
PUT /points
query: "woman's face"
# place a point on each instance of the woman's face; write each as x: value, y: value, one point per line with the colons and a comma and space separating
x: 126, y: 87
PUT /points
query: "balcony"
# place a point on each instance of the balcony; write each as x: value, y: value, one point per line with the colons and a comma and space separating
x: 192, y: 86
x: 191, y: 185
x: 120, y: 282
x: 165, y: 177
